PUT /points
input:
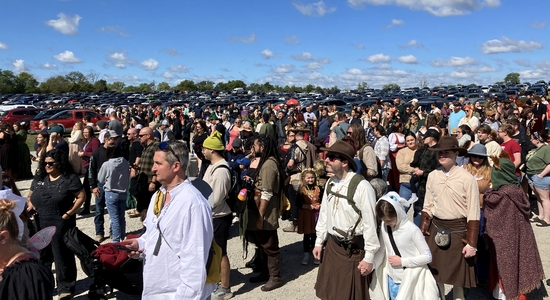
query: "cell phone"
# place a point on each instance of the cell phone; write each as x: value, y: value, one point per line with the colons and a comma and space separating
x: 122, y: 247
x: 31, y: 212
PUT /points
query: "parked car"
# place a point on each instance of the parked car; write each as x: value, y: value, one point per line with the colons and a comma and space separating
x: 44, y: 114
x: 17, y: 114
x: 68, y: 118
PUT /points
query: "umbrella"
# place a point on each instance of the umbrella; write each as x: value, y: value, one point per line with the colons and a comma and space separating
x: 292, y: 102
x: 277, y: 107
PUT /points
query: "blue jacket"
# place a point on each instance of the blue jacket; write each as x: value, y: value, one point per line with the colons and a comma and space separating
x: 232, y: 159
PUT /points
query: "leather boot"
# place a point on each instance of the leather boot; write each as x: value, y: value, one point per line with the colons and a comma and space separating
x: 275, y: 280
x: 264, y: 271
x: 255, y: 260
x: 425, y: 223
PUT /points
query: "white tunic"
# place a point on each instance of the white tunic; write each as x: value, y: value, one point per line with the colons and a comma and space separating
x: 179, y: 270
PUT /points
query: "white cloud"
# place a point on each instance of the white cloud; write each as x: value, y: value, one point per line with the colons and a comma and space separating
x: 457, y: 74
x: 412, y: 43
x: 354, y: 71
x: 267, y: 54
x: 65, y: 24
x: 285, y: 68
x: 484, y: 69
x: 314, y: 66
x: 179, y: 69
x: 323, y: 60
x: 119, y: 59
x: 118, y: 30
x: 440, y: 8
x: 304, y: 56
x: 169, y: 76
x: 522, y: 62
x: 171, y: 51
x: 358, y: 46
x: 395, y: 23
x: 378, y: 58
x: 509, y: 45
x: 149, y: 64
x: 4, y: 46
x: 408, y: 59
x: 19, y: 66
x: 48, y: 66
x: 317, y: 9
x: 252, y: 38
x: 67, y: 57
x: 292, y: 40
x: 538, y: 25
x: 454, y: 61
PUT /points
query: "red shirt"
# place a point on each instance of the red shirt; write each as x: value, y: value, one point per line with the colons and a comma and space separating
x: 512, y: 147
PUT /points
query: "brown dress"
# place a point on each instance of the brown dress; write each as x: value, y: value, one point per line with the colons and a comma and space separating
x: 306, y: 217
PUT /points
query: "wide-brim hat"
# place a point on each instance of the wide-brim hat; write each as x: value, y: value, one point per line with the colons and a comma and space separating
x: 247, y: 127
x: 345, y: 150
x: 449, y: 143
x: 478, y: 149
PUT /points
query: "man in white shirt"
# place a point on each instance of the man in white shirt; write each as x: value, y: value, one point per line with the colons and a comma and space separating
x: 346, y: 228
x: 179, y: 232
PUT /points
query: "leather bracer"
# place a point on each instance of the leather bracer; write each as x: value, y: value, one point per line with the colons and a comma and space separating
x: 425, y: 223
x: 472, y: 233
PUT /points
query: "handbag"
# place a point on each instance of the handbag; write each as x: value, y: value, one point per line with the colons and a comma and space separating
x: 442, y: 237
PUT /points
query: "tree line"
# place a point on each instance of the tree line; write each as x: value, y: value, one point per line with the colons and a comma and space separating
x: 25, y: 83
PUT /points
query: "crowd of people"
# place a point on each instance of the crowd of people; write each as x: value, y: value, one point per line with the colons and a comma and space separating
x: 343, y: 181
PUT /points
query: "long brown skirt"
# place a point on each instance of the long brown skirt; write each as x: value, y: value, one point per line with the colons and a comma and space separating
x: 338, y: 276
x: 448, y: 264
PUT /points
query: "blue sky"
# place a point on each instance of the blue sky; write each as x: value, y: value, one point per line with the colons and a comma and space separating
x: 323, y: 43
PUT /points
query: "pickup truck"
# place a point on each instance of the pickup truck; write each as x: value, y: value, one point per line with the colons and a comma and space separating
x: 68, y: 118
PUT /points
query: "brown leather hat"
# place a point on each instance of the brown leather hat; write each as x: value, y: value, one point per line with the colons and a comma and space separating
x: 449, y: 143
x: 345, y: 150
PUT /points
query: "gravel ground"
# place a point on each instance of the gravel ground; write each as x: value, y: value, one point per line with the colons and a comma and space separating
x: 299, y: 279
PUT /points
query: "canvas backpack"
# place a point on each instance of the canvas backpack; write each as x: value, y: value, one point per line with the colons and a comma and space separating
x: 352, y: 187
x: 235, y: 187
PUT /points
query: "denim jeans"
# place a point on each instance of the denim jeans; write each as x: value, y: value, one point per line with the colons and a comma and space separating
x: 99, y: 219
x: 116, y: 205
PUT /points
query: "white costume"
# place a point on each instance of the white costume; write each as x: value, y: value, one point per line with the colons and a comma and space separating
x: 414, y: 276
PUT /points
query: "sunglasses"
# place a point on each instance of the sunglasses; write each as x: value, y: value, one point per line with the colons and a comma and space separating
x: 333, y: 157
x: 477, y: 156
x: 48, y: 163
x: 165, y: 146
x: 349, y: 133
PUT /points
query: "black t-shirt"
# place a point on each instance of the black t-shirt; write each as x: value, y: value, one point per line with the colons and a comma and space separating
x: 28, y: 279
x: 63, y: 146
x: 135, y: 151
x: 54, y: 198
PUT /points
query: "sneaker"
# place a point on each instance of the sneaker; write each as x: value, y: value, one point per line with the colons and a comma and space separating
x: 316, y: 261
x: 222, y: 293
x: 65, y: 296
x: 235, y: 220
x: 305, y: 260
x: 100, y: 238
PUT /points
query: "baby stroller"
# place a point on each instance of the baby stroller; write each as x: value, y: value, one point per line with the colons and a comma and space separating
x: 123, y: 273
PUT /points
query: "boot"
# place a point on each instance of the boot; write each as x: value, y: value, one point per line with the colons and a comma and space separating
x: 264, y: 271
x: 275, y: 280
x: 255, y: 260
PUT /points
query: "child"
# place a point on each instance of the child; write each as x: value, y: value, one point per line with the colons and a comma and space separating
x: 405, y: 273
x: 319, y: 166
x: 309, y: 201
x: 244, y: 163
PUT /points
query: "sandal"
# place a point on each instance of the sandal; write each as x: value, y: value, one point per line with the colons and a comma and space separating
x: 132, y: 212
x: 534, y: 220
x: 542, y: 223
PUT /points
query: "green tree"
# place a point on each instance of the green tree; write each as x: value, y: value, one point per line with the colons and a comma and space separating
x: 100, y: 86
x: 93, y: 77
x: 233, y: 84
x: 255, y: 87
x: 221, y: 86
x: 512, y: 78
x: 163, y: 86
x: 146, y: 87
x: 7, y: 82
x: 77, y: 82
x: 361, y: 86
x: 131, y: 89
x: 391, y: 87
x: 117, y: 86
x: 54, y: 85
x: 267, y: 87
x: 205, y: 85
x: 186, y: 85
x: 25, y: 83
x: 309, y: 88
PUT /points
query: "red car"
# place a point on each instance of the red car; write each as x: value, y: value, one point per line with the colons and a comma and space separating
x: 17, y: 114
x: 68, y: 118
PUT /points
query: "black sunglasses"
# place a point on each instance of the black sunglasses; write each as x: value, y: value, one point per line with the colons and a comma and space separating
x: 48, y: 163
x: 349, y: 133
x: 477, y: 156
x: 165, y: 146
x: 333, y: 157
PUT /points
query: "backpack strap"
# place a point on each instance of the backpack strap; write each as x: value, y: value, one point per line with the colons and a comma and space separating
x: 352, y: 187
x: 230, y: 176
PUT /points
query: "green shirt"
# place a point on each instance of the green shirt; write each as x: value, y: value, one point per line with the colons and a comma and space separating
x: 538, y: 161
